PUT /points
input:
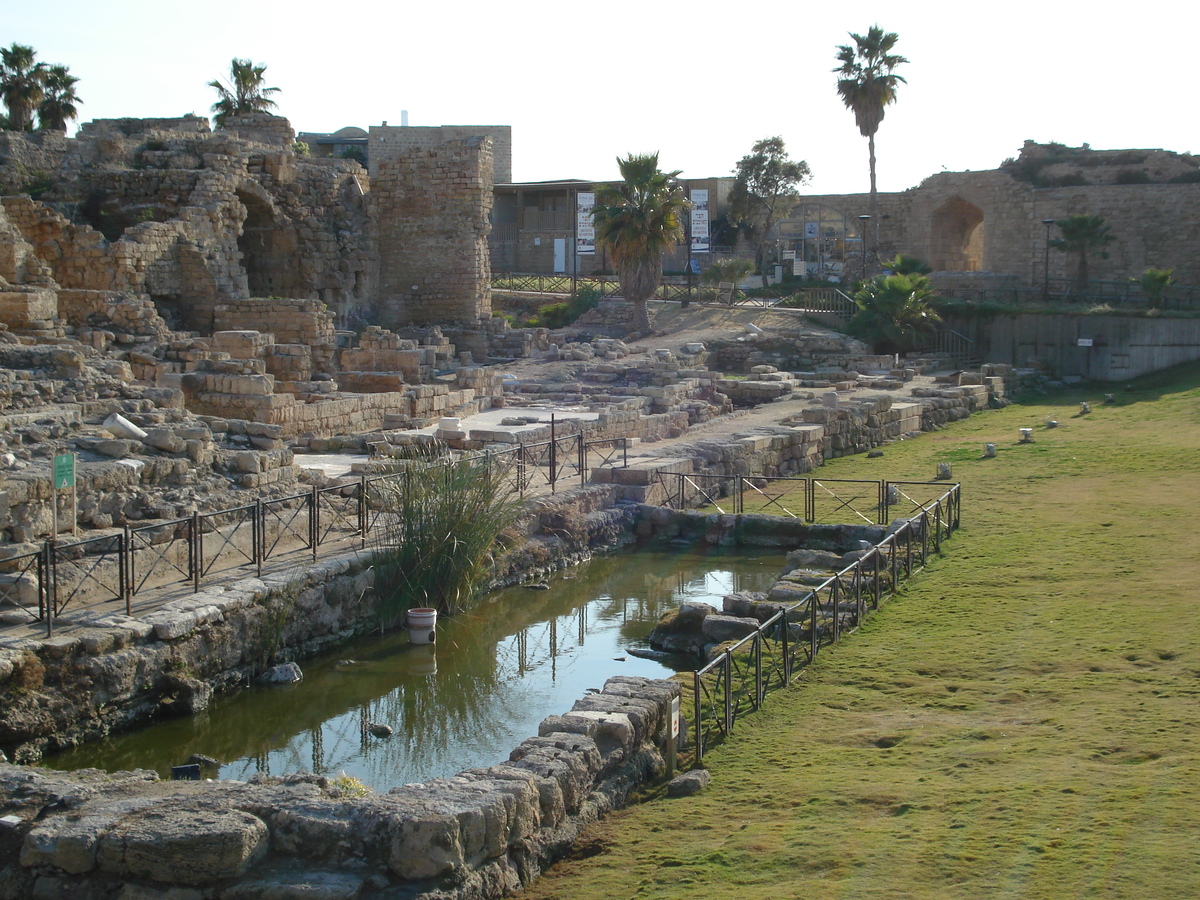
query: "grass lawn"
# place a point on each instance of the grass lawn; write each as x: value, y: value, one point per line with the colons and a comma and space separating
x: 1020, y: 721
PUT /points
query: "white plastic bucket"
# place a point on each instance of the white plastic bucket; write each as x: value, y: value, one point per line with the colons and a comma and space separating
x: 422, y: 625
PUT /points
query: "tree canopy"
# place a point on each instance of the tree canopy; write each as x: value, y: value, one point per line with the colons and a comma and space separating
x: 29, y: 88
x: 764, y: 189
x: 637, y: 220
x: 246, y: 92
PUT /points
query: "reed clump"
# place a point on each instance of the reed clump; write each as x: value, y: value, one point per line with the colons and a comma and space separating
x: 442, y: 520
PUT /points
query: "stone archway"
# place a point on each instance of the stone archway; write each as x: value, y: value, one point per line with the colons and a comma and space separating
x: 268, y: 251
x: 957, y: 232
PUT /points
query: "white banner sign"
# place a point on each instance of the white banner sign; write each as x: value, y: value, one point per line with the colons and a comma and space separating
x: 585, y: 229
x: 699, y: 221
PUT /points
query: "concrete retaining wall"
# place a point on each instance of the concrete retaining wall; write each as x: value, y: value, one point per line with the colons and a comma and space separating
x: 1122, y: 347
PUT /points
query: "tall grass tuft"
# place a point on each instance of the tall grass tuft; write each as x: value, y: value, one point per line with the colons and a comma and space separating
x: 441, y: 522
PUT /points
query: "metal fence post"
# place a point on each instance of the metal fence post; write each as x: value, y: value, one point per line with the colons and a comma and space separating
x: 727, y: 666
x: 51, y: 586
x: 126, y: 569
x: 813, y: 640
x: 875, y: 557
x: 256, y: 533
x: 759, y: 690
x: 784, y: 642
x: 362, y: 509
x: 835, y: 602
x: 197, y: 561
x: 314, y: 520
x: 553, y: 456
x: 698, y: 725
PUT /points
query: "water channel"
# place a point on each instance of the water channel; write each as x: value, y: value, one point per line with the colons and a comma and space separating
x: 467, y: 700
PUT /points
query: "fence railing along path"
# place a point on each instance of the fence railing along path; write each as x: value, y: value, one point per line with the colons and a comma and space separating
x: 738, y: 680
x: 205, y: 548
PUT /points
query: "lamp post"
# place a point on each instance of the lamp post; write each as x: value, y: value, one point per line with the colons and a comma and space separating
x: 1046, y: 265
x: 863, y: 220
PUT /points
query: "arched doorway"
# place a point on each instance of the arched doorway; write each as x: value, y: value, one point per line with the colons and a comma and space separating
x: 268, y: 251
x: 957, y: 243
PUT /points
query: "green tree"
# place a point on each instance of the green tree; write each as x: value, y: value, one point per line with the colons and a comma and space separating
x: 867, y: 84
x: 764, y: 189
x: 1154, y: 283
x: 21, y: 80
x: 58, y: 99
x: 1083, y: 236
x: 894, y: 312
x: 637, y: 220
x: 246, y: 92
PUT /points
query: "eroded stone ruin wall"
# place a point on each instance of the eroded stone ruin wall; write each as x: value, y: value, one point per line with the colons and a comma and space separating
x: 991, y: 224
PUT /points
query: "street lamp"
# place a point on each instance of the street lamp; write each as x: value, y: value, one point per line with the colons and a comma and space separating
x: 1046, y: 267
x: 863, y: 220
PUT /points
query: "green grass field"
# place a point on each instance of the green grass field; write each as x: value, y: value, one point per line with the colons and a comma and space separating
x: 1020, y: 721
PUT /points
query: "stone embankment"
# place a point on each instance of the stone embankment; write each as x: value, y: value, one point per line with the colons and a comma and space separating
x: 480, y: 834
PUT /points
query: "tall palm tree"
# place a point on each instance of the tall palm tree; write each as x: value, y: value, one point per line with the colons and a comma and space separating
x: 637, y: 220
x: 246, y: 92
x: 58, y: 100
x: 867, y: 84
x: 1083, y: 236
x: 21, y: 77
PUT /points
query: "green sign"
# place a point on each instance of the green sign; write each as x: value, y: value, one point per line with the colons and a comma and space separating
x: 64, y: 471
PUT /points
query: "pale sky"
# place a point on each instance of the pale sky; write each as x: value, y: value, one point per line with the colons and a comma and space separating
x: 700, y: 82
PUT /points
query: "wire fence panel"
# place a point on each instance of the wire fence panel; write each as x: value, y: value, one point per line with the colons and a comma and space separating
x: 227, y: 539
x: 160, y: 554
x: 837, y: 500
x: 702, y: 491
x: 337, y: 512
x: 786, y: 497
x: 23, y: 583
x: 606, y: 454
x: 287, y: 524
x: 91, y: 570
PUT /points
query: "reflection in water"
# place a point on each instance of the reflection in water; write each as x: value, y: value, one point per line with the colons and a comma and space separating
x: 465, y: 701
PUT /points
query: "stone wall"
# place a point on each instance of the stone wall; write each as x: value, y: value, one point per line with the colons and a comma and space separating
x: 991, y: 222
x: 484, y: 833
x: 431, y: 212
x: 307, y: 322
x: 388, y: 142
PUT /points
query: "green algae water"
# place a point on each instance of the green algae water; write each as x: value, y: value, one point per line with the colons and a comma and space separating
x: 465, y: 701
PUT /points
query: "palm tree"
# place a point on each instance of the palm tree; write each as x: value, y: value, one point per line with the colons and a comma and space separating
x: 21, y: 79
x: 245, y: 94
x: 903, y: 264
x: 636, y: 221
x: 1154, y: 283
x: 58, y: 100
x: 894, y: 312
x: 867, y: 84
x: 1083, y: 235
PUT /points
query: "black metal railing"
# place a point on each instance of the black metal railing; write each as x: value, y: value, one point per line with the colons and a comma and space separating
x: 737, y: 681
